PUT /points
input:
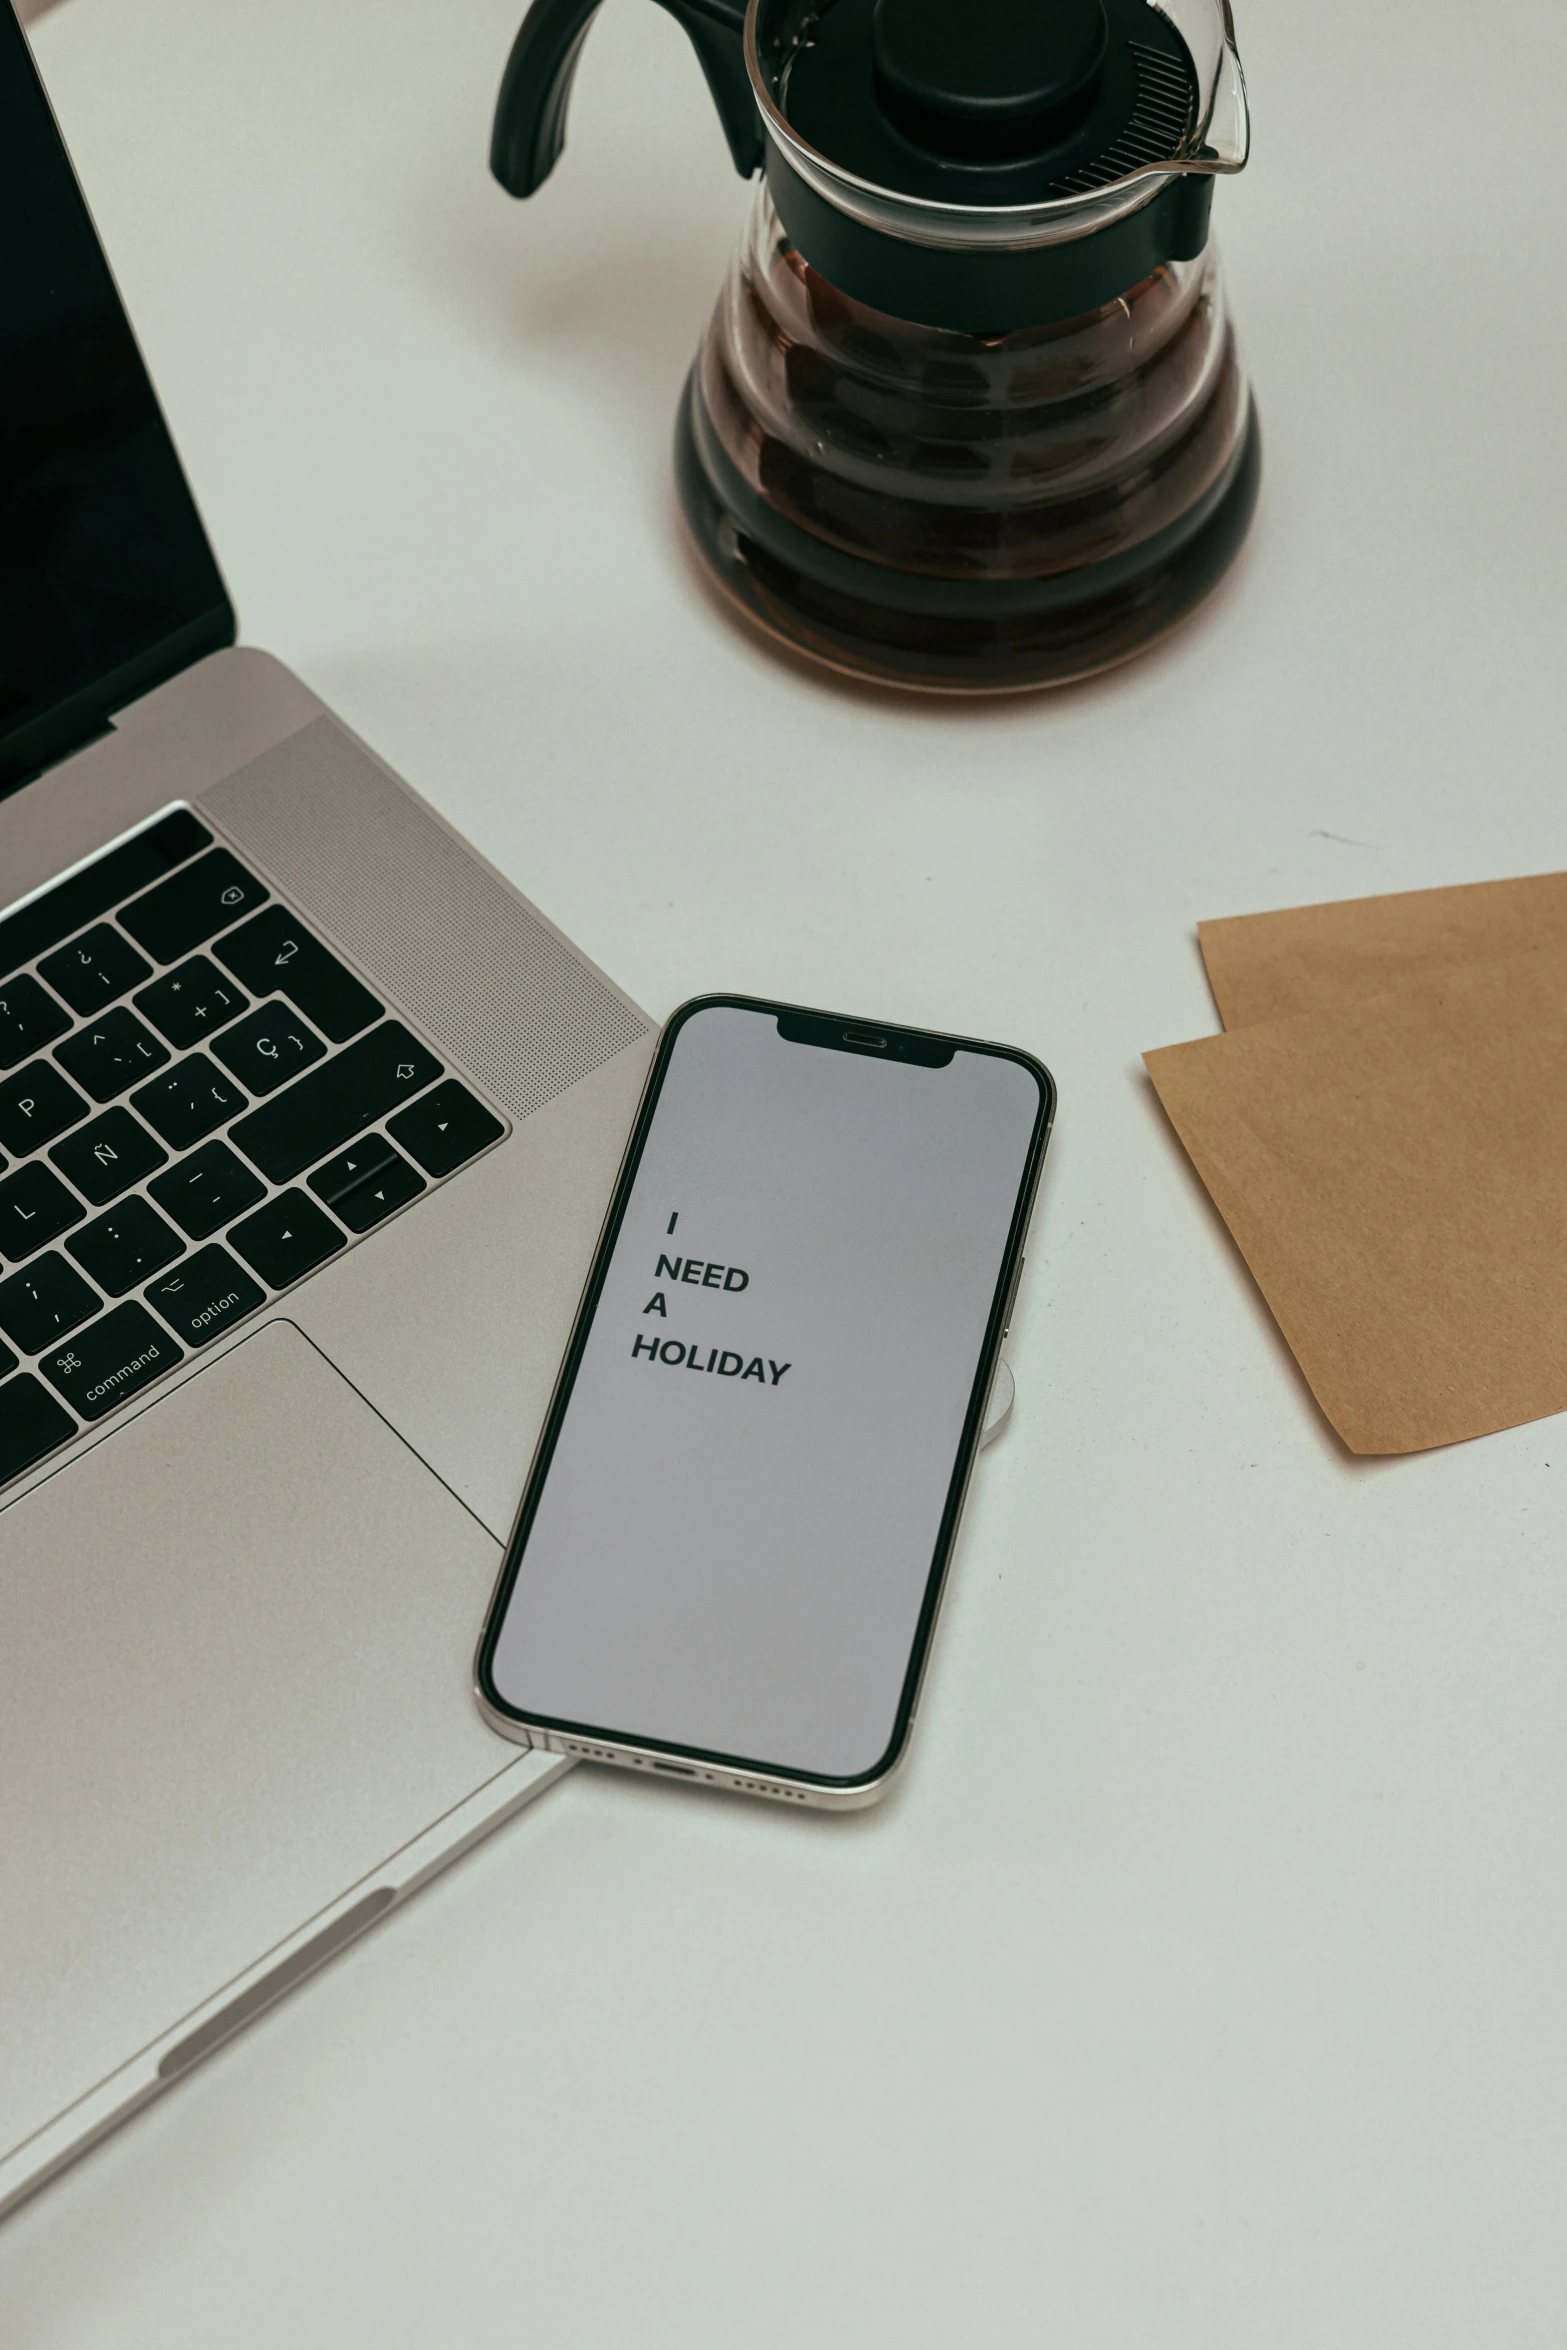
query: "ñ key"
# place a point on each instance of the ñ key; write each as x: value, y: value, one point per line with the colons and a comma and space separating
x: 107, y: 1157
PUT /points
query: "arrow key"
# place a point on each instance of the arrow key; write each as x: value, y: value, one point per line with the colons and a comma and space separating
x: 286, y: 1239
x: 445, y: 1128
x: 392, y: 1186
x: 349, y: 1169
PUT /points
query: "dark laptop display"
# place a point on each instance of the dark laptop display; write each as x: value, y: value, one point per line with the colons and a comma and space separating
x: 107, y: 583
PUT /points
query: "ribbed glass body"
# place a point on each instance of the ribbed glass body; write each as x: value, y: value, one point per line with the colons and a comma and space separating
x: 959, y: 513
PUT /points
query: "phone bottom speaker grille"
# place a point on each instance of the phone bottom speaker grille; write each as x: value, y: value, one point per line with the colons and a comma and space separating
x: 642, y: 1762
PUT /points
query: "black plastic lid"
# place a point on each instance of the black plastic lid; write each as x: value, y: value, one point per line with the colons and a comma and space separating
x: 980, y: 102
x: 1000, y: 78
x: 868, y: 114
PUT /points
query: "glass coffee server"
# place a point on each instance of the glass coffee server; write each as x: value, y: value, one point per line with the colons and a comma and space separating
x: 968, y: 415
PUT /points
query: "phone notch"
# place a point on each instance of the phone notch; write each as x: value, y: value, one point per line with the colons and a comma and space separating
x: 892, y: 1044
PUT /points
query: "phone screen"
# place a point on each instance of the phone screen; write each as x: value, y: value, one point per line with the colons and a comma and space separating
x: 741, y: 1505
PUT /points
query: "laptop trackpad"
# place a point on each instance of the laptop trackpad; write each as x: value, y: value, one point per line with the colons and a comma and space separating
x: 244, y: 1628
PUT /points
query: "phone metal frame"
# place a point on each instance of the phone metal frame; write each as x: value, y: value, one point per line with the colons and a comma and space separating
x: 694, y: 1764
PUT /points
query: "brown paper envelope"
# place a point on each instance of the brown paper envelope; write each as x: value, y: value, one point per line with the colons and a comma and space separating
x: 1395, y: 1175
x: 1270, y: 966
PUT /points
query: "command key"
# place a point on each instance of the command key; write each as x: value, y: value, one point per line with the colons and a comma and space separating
x: 110, y: 1360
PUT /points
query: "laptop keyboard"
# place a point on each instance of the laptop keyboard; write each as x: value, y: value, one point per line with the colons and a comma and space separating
x: 199, y: 1105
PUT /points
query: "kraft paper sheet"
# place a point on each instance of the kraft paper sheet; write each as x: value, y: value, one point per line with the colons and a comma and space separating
x: 1393, y: 1165
x: 1309, y: 958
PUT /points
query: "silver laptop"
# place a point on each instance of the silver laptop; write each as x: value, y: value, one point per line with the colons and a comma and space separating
x: 307, y: 1125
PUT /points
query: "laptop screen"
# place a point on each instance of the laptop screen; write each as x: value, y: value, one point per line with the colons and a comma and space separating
x: 107, y: 583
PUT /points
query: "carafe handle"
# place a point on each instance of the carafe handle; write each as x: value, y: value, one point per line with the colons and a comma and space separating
x: 530, y: 113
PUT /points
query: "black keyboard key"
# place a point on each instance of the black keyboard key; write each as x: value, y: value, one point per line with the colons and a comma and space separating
x: 29, y: 1017
x: 287, y: 1238
x: 126, y: 1247
x: 206, y: 1295
x: 332, y: 1104
x: 108, y: 1156
x: 34, y: 1207
x: 39, y: 1305
x: 379, y: 1194
x: 445, y: 1128
x: 94, y: 970
x: 269, y: 1048
x: 7, y: 1363
x: 35, y: 1106
x: 31, y: 1424
x: 110, y: 1360
x: 192, y: 906
x: 209, y: 1188
x: 191, y: 1003
x: 276, y: 954
x: 111, y: 1054
x: 359, y: 1160
x: 189, y: 1101
x: 32, y: 930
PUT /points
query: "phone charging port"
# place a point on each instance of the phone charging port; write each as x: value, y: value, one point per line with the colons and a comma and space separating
x: 681, y: 1770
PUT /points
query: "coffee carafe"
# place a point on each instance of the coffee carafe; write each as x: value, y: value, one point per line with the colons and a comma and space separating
x: 968, y: 416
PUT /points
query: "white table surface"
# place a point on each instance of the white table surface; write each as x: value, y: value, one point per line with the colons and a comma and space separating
x: 1205, y: 1983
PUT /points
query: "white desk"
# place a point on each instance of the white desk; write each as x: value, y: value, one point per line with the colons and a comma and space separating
x: 1204, y: 1986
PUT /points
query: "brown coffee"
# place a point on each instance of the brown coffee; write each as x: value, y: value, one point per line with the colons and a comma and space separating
x: 964, y: 513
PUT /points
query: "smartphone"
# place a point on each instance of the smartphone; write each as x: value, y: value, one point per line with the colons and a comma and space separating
x: 732, y: 1544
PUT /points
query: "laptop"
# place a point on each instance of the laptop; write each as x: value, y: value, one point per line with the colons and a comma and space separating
x: 307, y: 1126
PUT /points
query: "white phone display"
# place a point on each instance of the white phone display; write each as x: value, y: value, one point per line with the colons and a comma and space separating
x: 729, y: 1556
